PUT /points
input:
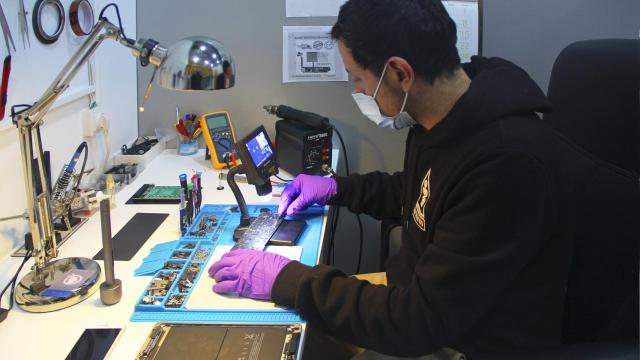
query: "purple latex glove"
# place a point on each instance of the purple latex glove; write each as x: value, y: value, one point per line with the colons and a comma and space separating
x: 304, y: 191
x: 248, y: 273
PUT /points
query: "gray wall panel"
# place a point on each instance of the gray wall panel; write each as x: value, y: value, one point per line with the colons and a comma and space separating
x: 532, y: 33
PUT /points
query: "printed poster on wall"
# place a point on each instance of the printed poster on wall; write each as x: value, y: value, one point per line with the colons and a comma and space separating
x: 465, y: 13
x: 467, y: 18
x: 309, y: 54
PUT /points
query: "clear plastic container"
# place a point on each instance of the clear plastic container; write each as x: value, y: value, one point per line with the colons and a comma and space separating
x: 187, y: 148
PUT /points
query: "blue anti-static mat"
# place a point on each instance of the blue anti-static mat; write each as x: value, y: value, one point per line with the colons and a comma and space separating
x: 191, y: 249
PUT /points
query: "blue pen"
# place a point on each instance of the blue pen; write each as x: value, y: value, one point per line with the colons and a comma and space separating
x: 183, y: 184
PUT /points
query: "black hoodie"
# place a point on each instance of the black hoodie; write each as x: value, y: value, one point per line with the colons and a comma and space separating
x: 484, y: 206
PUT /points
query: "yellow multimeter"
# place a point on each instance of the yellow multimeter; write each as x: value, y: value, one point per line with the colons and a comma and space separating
x: 220, y: 138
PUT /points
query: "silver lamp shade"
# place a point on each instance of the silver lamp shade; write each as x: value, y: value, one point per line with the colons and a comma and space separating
x: 197, y: 63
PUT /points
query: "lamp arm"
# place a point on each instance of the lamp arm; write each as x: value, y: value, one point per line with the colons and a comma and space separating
x: 101, y: 31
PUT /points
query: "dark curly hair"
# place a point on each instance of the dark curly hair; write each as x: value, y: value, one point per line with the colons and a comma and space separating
x: 420, y: 31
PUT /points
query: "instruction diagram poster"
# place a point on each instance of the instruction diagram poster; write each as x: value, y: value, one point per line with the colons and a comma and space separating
x: 309, y: 54
x: 465, y: 13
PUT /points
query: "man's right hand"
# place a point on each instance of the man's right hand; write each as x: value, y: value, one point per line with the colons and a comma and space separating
x: 304, y: 191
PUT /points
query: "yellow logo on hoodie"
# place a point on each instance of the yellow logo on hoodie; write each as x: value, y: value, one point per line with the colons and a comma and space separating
x: 421, y: 204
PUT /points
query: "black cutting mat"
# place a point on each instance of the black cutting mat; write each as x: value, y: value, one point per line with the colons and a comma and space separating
x: 133, y: 235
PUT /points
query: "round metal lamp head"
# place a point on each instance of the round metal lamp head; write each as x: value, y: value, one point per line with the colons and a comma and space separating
x: 197, y: 63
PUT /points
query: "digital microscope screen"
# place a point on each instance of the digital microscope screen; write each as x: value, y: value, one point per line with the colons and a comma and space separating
x: 259, y: 149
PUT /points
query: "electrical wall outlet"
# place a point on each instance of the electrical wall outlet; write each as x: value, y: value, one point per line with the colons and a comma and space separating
x: 102, y: 122
x: 88, y: 124
x: 92, y: 122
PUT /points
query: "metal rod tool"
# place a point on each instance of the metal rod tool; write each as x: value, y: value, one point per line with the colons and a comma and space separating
x: 111, y: 288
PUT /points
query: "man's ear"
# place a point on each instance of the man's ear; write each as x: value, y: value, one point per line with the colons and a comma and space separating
x: 402, y: 72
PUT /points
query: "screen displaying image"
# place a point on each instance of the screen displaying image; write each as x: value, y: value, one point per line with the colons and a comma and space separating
x: 259, y: 149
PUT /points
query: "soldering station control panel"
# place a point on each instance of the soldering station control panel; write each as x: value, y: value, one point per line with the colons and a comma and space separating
x: 301, y: 148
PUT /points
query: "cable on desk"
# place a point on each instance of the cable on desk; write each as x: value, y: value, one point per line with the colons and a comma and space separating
x: 283, y: 180
x: 4, y: 312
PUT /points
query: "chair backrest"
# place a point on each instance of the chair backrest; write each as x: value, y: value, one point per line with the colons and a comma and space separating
x: 602, y: 290
x: 595, y: 93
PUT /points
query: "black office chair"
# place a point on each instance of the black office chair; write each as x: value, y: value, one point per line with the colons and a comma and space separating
x: 595, y: 93
x: 601, y: 305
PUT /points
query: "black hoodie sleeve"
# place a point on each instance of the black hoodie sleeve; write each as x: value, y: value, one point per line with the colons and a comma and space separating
x: 494, y: 222
x: 376, y: 194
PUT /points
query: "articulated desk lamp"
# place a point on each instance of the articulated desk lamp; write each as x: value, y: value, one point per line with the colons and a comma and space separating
x: 190, y: 64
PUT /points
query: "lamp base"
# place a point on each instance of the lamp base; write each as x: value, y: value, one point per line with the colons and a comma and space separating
x: 60, y: 284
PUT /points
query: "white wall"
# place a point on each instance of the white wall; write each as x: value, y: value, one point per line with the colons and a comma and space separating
x: 33, y: 69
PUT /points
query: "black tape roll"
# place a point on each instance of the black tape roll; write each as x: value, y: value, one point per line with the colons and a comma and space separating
x: 36, y: 20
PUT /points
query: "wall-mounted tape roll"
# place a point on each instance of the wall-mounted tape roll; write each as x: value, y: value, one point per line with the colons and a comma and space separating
x: 48, y: 20
x: 81, y: 17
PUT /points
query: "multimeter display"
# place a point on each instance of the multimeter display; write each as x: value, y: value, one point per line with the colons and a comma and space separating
x: 216, y: 121
x: 220, y: 138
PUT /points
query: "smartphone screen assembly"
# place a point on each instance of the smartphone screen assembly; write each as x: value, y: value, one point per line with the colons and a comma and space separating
x: 288, y: 232
x: 94, y: 344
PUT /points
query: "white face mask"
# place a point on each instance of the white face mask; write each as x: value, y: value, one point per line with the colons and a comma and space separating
x: 370, y: 109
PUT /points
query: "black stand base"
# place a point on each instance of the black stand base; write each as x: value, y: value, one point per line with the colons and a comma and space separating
x: 241, y: 229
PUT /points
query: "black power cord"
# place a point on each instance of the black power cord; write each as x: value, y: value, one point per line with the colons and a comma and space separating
x: 334, y: 222
x: 283, y: 180
x: 12, y: 284
x: 85, y: 148
x: 115, y: 6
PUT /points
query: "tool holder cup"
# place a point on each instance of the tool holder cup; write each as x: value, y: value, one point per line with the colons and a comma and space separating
x: 186, y: 148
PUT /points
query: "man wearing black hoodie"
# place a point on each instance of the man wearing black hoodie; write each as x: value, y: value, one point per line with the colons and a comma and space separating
x: 483, y: 201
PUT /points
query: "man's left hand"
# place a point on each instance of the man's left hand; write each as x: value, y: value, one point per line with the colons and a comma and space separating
x: 248, y: 273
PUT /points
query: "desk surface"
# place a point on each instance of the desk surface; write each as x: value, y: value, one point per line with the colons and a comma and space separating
x: 51, y: 335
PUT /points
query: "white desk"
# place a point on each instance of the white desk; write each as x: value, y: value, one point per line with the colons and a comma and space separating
x: 51, y: 335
